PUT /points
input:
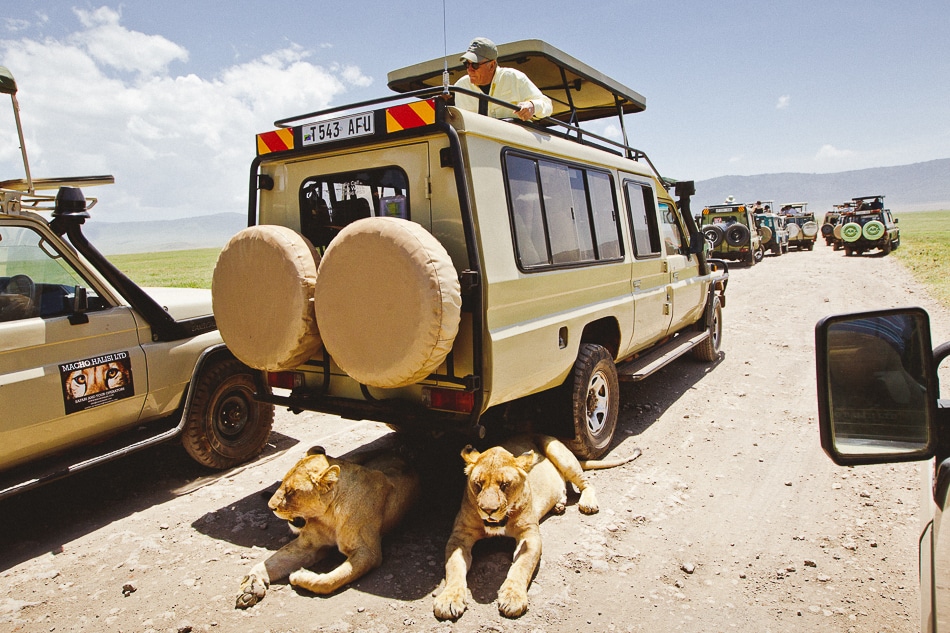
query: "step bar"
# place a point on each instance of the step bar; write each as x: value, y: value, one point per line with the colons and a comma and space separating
x: 639, y: 368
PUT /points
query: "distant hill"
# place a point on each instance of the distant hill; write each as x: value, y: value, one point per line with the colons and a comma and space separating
x: 916, y: 187
x: 203, y: 231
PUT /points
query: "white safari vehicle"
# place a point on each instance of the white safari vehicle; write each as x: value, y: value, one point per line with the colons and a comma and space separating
x: 92, y: 366
x: 410, y: 262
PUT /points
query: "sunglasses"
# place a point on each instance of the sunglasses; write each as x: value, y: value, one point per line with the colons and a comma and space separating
x: 475, y: 65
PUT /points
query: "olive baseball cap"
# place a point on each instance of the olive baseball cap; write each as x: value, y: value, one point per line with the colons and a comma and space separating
x: 480, y: 50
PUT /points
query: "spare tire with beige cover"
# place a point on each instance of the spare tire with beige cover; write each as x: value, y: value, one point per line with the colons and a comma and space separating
x: 262, y: 297
x: 387, y: 301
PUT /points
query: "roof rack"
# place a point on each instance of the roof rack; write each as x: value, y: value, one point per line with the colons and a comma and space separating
x: 578, y: 93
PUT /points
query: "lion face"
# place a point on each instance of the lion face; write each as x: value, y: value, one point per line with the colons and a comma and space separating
x: 305, y: 491
x: 96, y: 379
x: 496, y: 482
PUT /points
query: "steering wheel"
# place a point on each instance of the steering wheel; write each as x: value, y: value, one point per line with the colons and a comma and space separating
x: 21, y: 285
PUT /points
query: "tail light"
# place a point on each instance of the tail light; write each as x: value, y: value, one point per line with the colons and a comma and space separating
x: 448, y: 399
x: 285, y: 379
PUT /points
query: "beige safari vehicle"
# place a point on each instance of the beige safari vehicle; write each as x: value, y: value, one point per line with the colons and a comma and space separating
x: 412, y: 263
x: 93, y: 367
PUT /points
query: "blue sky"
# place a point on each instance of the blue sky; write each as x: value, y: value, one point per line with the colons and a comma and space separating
x: 167, y: 95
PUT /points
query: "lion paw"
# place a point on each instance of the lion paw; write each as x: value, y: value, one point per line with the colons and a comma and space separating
x: 252, y: 592
x: 588, y: 504
x: 512, y: 600
x: 450, y: 604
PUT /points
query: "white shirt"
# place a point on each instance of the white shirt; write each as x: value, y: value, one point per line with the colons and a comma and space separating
x: 508, y: 84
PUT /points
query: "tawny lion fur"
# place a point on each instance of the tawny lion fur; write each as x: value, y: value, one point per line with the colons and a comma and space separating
x: 507, y: 495
x: 332, y: 503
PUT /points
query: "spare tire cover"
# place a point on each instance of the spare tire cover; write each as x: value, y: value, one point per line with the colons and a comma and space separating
x: 873, y: 230
x: 388, y: 301
x: 737, y: 235
x: 827, y: 230
x: 262, y: 297
x: 793, y: 230
x: 851, y: 232
x: 810, y: 229
x: 766, y: 234
x: 837, y: 231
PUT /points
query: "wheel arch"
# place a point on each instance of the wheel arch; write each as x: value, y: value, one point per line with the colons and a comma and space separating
x: 604, y: 332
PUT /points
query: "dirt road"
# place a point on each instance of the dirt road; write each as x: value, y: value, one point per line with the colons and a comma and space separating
x: 732, y: 520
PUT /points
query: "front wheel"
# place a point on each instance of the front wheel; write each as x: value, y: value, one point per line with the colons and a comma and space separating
x: 226, y: 425
x: 595, y: 400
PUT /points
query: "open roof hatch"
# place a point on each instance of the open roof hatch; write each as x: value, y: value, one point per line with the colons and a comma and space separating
x: 577, y: 91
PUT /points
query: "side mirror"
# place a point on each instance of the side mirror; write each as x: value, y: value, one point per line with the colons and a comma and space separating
x: 80, y: 306
x: 877, y: 387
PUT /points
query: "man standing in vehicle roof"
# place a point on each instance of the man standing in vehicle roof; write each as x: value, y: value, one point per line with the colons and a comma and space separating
x: 508, y: 84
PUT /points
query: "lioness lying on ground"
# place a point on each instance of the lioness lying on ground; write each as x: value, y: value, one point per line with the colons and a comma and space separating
x: 333, y: 503
x: 508, y: 496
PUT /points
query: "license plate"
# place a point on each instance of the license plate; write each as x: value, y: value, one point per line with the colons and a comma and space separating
x: 338, y: 129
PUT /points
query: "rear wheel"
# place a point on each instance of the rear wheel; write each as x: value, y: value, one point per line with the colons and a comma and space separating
x: 226, y: 425
x: 595, y: 401
x: 708, y: 350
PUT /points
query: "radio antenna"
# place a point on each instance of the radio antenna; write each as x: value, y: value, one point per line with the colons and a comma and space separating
x: 445, y: 55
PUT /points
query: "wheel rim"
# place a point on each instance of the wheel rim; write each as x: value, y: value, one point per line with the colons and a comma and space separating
x: 232, y: 415
x: 598, y: 402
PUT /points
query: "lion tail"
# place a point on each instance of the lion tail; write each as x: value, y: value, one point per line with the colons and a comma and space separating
x: 600, y: 464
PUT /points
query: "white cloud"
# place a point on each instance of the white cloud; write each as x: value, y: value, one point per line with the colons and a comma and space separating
x: 737, y: 159
x: 109, y: 43
x: 830, y: 152
x: 178, y: 146
x: 783, y: 102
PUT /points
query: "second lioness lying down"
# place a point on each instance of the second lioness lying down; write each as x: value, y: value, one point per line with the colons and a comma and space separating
x: 509, y: 489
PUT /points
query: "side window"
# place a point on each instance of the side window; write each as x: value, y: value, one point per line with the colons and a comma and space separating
x: 330, y: 202
x: 640, y: 206
x: 672, y: 233
x: 562, y: 214
x: 35, y: 280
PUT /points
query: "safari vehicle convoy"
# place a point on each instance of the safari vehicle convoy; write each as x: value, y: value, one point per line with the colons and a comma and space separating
x: 410, y: 262
x: 732, y: 232
x: 93, y: 367
x: 771, y: 227
x: 869, y: 226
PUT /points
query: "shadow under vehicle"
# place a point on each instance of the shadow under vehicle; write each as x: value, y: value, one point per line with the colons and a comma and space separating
x: 549, y: 259
x: 879, y: 403
x: 94, y: 367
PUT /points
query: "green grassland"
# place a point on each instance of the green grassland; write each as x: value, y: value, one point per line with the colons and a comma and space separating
x: 172, y: 269
x: 924, y: 249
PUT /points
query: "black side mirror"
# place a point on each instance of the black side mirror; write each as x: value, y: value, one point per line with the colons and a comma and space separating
x: 877, y: 386
x: 80, y: 306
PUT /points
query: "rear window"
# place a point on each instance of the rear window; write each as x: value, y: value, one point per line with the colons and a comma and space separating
x: 330, y: 202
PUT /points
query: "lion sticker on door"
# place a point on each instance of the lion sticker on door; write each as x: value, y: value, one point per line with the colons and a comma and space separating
x: 93, y: 382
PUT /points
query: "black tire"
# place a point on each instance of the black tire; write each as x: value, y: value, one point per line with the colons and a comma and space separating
x: 737, y: 235
x: 225, y: 425
x: 713, y: 234
x: 887, y: 247
x: 759, y: 254
x: 595, y: 401
x: 708, y: 350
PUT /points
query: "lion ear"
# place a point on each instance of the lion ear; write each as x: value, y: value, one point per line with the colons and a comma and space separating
x: 328, y: 478
x: 470, y: 455
x: 528, y: 460
x: 317, y: 450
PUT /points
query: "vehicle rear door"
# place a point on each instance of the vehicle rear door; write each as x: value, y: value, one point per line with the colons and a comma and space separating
x: 61, y: 382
